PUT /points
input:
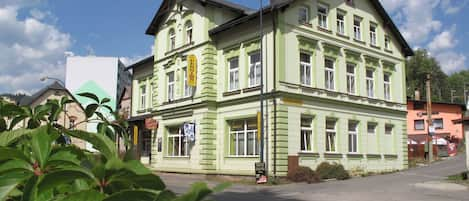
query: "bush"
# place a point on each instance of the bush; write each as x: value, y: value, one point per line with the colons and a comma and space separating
x: 303, y: 174
x: 325, y: 170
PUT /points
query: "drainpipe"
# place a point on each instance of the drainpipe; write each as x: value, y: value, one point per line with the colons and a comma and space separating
x: 274, y: 64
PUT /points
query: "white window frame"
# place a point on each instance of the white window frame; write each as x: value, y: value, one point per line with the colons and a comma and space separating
x: 189, y: 32
x: 331, y: 133
x: 351, y: 81
x: 373, y: 34
x: 245, y: 132
x: 387, y: 42
x: 143, y: 96
x: 305, y: 131
x: 341, y: 23
x: 322, y: 17
x: 182, y: 141
x: 370, y: 82
x: 233, y: 74
x: 305, y: 78
x: 387, y: 86
x: 172, y: 39
x: 170, y: 91
x: 303, y: 10
x: 353, y: 134
x: 187, y: 88
x: 329, y: 75
x: 417, y: 121
x: 357, y: 34
x: 254, y: 71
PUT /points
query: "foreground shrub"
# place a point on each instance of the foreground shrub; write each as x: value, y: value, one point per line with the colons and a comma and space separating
x: 303, y: 174
x: 325, y: 170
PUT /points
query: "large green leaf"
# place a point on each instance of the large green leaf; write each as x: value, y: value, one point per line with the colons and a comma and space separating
x: 15, y: 121
x: 15, y: 165
x: 105, y: 100
x: 30, y: 189
x: 198, y: 192
x: 9, y: 137
x: 100, y: 142
x: 137, y: 167
x: 90, y: 95
x: 66, y: 176
x: 140, y: 195
x: 9, y: 182
x: 41, y: 146
x: 90, y: 109
x: 165, y: 196
x: 65, y: 155
x: 7, y: 153
x: 89, y: 195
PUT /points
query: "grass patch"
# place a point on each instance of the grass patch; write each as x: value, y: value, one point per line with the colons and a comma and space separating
x: 461, y: 178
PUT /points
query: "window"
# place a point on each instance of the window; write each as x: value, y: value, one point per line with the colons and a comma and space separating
x: 329, y: 74
x: 388, y: 129
x: 187, y: 88
x: 234, y: 74
x: 306, y: 134
x: 170, y: 86
x: 254, y: 69
x: 373, y: 35
x: 322, y: 15
x: 341, y: 23
x: 387, y: 43
x: 419, y: 124
x: 387, y: 86
x: 330, y: 136
x: 243, y: 138
x: 305, y: 69
x: 438, y: 123
x: 172, y: 39
x: 143, y: 97
x: 188, y: 32
x: 177, y: 142
x: 350, y: 78
x: 371, y: 128
x: 150, y: 96
x: 303, y: 15
x: 352, y: 136
x: 370, y: 83
x: 357, y: 28
x: 71, y: 124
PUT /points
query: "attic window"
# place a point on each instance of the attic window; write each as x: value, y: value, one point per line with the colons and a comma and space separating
x: 349, y: 2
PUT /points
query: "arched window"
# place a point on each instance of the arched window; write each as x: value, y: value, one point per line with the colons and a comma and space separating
x: 172, y: 39
x: 188, y: 32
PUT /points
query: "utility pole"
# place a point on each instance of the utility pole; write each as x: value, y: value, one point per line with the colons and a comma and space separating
x: 429, y: 115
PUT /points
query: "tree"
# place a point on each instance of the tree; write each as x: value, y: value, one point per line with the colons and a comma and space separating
x: 456, y: 82
x: 417, y: 68
x: 35, y: 165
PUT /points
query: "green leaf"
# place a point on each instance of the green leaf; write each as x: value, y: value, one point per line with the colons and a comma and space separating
x: 30, y: 189
x: 137, y: 167
x: 140, y: 195
x: 165, y: 195
x: 3, y: 125
x: 90, y: 109
x: 89, y: 195
x: 9, y: 182
x: 108, y: 107
x: 221, y: 187
x: 15, y: 165
x: 198, y: 192
x: 53, y: 179
x: 90, y: 95
x: 105, y: 100
x: 15, y: 121
x: 100, y: 142
x: 9, y: 137
x: 7, y: 153
x: 41, y: 146
x: 64, y: 156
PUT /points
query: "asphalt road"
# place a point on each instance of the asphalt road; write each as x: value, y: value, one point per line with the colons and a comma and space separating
x: 418, y: 184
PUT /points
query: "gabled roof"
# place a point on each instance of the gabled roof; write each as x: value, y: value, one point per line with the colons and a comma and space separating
x: 282, y: 4
x: 166, y: 5
x: 140, y: 63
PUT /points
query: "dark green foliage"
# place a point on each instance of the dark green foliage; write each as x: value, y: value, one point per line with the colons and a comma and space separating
x: 34, y: 167
x: 325, y: 170
x: 303, y: 174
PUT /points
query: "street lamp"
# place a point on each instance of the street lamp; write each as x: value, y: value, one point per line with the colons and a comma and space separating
x: 52, y: 78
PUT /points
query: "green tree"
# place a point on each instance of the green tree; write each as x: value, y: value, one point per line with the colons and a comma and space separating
x: 456, y: 82
x: 35, y: 165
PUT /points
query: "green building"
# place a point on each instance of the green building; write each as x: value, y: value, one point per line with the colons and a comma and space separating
x: 334, y: 77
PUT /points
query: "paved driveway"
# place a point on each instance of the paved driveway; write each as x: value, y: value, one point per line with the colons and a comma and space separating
x: 419, y: 184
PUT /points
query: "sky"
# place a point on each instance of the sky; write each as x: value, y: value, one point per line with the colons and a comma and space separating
x: 37, y: 35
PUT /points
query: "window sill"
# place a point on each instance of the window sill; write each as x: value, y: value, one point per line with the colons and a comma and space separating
x: 333, y: 155
x: 242, y: 157
x: 373, y: 156
x: 306, y: 24
x: 359, y: 41
x: 177, y: 101
x: 308, y: 153
x: 390, y: 156
x: 355, y: 156
x: 231, y: 93
x: 141, y: 111
x: 375, y: 46
x: 388, y: 51
x: 251, y: 89
x: 342, y: 36
x: 179, y: 48
x: 323, y: 29
x: 177, y: 157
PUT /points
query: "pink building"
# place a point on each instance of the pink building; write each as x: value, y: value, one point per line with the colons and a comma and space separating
x: 443, y: 115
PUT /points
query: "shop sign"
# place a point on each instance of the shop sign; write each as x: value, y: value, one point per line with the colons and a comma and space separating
x: 189, y: 131
x: 192, y: 70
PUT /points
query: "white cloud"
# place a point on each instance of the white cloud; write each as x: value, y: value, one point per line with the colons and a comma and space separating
x: 451, y: 61
x: 443, y: 41
x: 450, y: 8
x: 30, y: 47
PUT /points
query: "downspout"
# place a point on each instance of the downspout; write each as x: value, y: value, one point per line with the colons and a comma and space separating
x: 274, y: 64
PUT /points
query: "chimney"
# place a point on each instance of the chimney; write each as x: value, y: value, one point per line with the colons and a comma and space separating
x: 417, y: 94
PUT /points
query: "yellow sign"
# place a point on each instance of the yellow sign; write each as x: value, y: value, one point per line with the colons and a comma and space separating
x: 135, y: 135
x: 258, y: 126
x: 192, y: 70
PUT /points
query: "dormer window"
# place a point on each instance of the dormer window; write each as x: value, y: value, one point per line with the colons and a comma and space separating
x: 322, y: 15
x: 188, y: 32
x: 373, y: 35
x: 303, y: 15
x: 172, y: 39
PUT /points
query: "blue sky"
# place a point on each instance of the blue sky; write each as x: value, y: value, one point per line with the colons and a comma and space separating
x: 37, y: 34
